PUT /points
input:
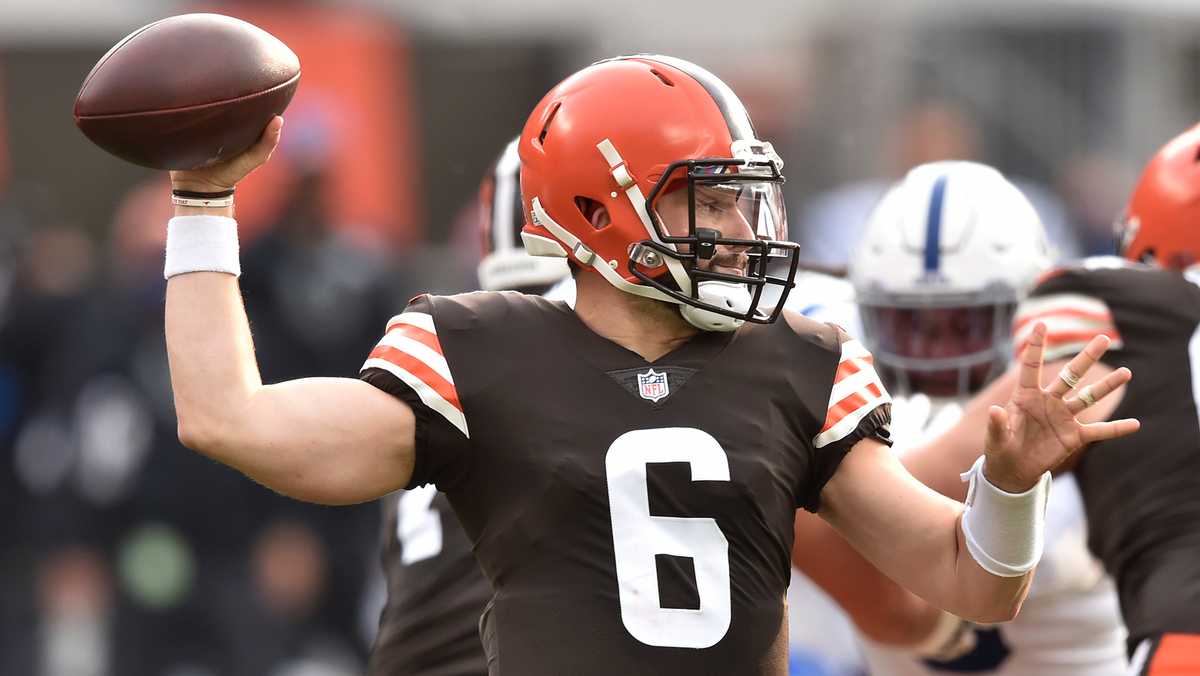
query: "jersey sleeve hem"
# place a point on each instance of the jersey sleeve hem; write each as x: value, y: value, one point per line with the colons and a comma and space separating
x: 389, y: 383
x: 874, y: 425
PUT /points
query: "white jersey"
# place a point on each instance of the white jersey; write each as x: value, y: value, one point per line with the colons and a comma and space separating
x: 1070, y: 624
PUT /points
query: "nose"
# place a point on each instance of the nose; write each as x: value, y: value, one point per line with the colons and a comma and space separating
x: 733, y: 226
x: 736, y: 226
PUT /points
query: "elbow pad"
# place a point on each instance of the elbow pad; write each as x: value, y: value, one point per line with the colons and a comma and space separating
x: 1005, y: 532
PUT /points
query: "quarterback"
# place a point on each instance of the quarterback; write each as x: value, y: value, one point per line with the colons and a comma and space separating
x: 628, y: 470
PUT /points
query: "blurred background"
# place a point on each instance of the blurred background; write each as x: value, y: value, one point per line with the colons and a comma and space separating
x: 122, y: 553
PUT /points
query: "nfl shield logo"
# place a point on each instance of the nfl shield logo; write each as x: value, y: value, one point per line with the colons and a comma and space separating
x: 653, y: 385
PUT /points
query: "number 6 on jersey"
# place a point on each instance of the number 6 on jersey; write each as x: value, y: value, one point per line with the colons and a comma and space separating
x: 638, y: 537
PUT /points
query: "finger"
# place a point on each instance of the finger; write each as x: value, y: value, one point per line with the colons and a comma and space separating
x: 262, y: 149
x: 997, y: 431
x: 1100, y: 389
x: 1031, y: 360
x: 1109, y: 430
x: 1079, y: 365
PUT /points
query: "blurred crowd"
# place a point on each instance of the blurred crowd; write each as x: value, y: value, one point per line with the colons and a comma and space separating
x: 125, y: 553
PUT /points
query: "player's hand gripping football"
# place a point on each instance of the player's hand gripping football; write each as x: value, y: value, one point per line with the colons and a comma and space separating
x: 225, y: 175
x: 1038, y: 428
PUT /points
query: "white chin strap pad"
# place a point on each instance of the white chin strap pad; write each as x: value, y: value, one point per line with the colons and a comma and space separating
x: 736, y: 297
x: 1005, y: 532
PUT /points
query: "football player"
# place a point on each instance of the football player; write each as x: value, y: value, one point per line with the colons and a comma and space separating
x: 627, y: 470
x: 435, y: 591
x: 945, y: 258
x: 1142, y: 499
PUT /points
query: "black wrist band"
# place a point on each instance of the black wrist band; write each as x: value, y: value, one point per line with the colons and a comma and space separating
x: 193, y: 195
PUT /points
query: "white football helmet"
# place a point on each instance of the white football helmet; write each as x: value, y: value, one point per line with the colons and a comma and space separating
x: 946, y: 255
x: 505, y: 264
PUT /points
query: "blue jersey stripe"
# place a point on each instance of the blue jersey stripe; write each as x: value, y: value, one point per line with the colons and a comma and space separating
x: 933, y: 226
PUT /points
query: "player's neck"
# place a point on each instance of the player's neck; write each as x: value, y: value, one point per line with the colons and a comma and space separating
x: 648, y: 327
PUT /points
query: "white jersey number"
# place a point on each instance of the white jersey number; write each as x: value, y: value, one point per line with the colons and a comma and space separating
x: 638, y: 537
x: 418, y: 527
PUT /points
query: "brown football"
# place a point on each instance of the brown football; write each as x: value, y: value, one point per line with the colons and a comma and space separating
x: 187, y: 91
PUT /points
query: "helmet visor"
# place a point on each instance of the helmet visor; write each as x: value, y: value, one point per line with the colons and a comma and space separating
x: 739, y: 209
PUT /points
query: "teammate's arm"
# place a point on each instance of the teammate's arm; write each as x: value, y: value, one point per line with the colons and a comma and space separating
x: 328, y: 440
x: 915, y: 535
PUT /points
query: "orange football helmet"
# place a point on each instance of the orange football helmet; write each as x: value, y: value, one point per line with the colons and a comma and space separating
x: 624, y: 132
x: 1162, y: 222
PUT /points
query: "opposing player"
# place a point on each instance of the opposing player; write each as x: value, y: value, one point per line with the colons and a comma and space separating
x: 628, y: 470
x: 945, y: 258
x: 435, y: 591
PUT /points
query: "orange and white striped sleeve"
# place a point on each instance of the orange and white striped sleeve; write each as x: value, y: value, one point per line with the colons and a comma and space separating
x: 1072, y: 320
x: 411, y: 352
x: 856, y: 392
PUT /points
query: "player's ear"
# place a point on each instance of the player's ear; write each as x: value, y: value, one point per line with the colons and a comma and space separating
x: 594, y: 212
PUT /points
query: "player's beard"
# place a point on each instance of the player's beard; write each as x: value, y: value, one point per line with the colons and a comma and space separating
x: 732, y: 263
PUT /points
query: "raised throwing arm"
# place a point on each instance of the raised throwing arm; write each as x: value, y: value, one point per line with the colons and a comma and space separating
x: 327, y: 440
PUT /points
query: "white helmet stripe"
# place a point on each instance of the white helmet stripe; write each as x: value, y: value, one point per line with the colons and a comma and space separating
x: 540, y: 217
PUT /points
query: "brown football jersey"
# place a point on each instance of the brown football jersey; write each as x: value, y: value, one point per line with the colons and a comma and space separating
x: 632, y: 517
x: 435, y: 592
x: 1142, y: 492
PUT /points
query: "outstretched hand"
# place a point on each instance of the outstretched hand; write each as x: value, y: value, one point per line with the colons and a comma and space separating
x: 225, y: 175
x: 1038, y: 428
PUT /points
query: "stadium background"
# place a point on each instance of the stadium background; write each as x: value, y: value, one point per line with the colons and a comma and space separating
x: 121, y: 553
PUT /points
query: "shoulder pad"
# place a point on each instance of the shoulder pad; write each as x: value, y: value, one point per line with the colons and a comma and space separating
x: 828, y: 336
x: 475, y: 308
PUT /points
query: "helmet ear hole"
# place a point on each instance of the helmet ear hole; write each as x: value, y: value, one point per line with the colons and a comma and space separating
x: 593, y: 212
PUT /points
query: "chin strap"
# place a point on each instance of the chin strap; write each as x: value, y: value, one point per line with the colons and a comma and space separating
x: 736, y: 297
x: 715, y: 292
x: 589, y: 258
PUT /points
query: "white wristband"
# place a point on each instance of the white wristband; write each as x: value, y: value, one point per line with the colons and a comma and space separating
x: 202, y: 244
x: 1005, y: 532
